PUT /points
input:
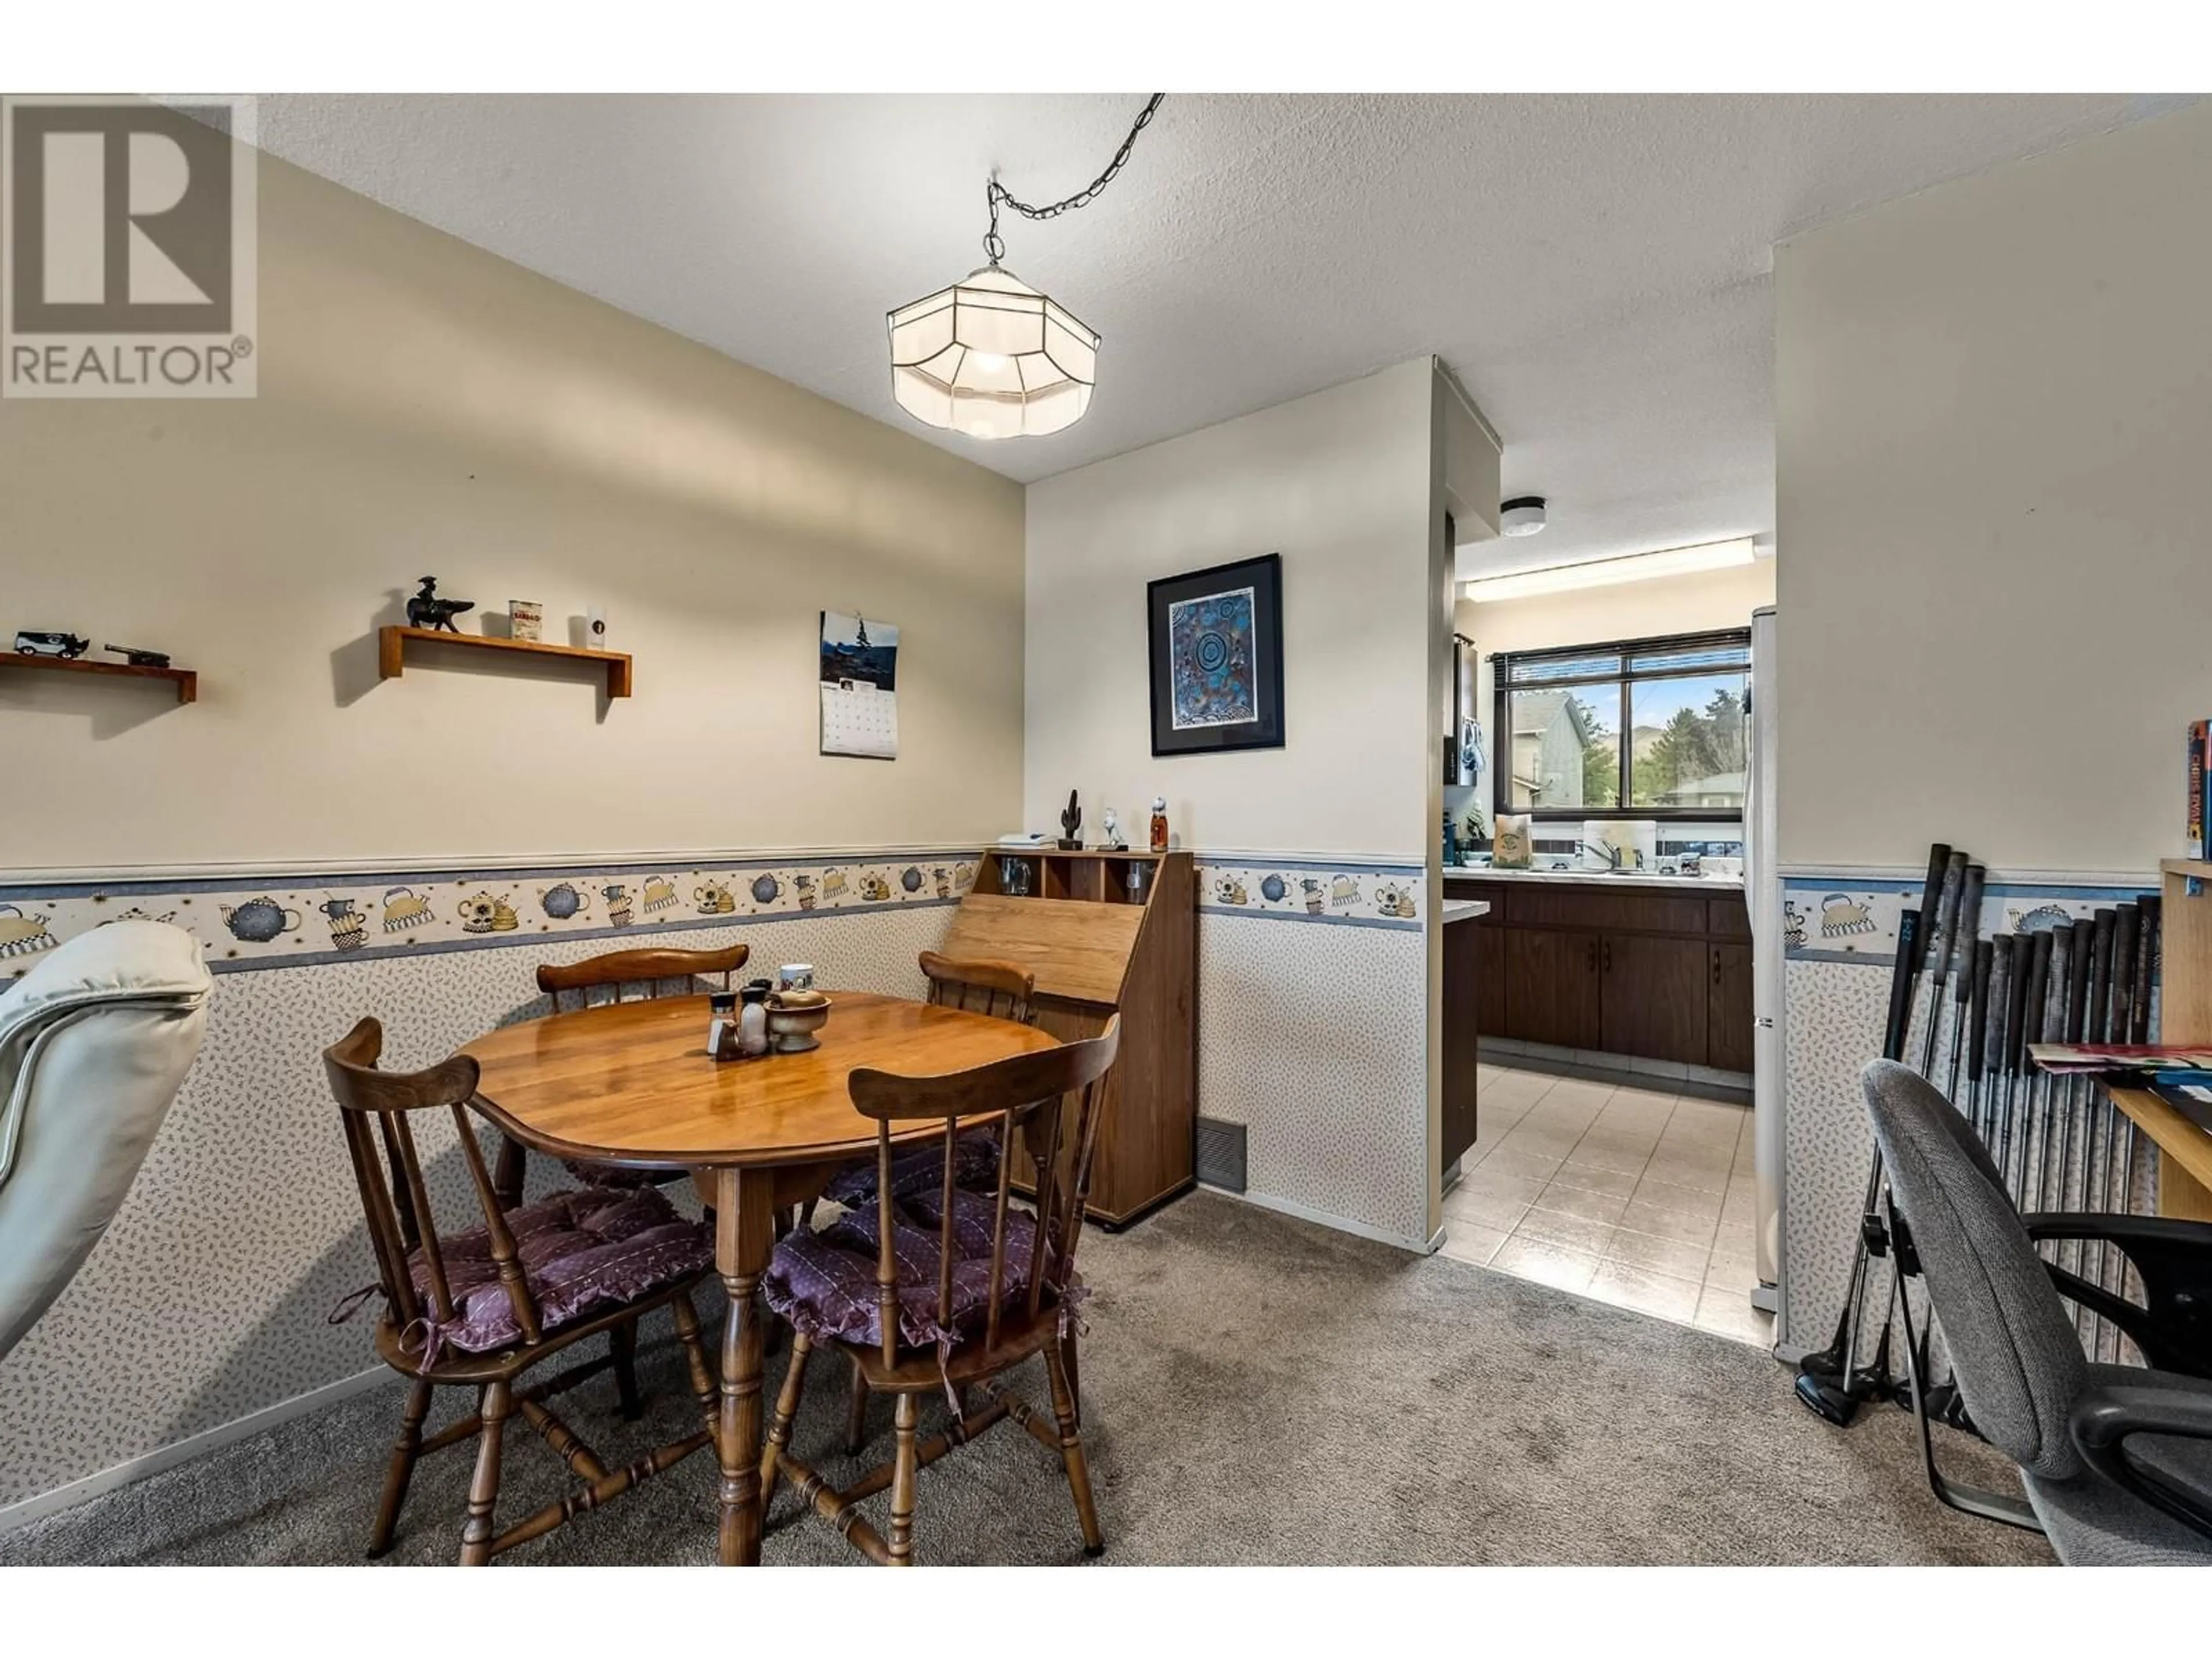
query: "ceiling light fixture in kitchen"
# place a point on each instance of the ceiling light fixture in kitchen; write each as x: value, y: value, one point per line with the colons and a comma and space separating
x: 990, y: 356
x: 1604, y: 572
x: 1522, y: 516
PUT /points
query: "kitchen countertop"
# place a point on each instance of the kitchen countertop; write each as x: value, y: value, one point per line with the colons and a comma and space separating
x: 1591, y: 878
x: 1461, y: 910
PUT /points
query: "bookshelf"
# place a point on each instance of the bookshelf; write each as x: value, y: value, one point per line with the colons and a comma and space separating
x: 2184, y: 1165
x: 1098, y: 949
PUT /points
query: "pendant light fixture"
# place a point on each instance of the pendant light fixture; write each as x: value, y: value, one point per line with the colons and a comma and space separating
x: 990, y: 356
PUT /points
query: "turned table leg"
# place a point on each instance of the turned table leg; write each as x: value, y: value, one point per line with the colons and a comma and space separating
x: 745, y: 1232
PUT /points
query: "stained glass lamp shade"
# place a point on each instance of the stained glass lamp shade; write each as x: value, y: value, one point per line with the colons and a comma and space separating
x: 992, y: 357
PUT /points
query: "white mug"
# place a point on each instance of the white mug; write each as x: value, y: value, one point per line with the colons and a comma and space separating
x: 795, y: 976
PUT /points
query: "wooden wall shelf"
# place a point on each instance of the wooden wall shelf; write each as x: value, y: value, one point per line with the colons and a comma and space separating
x: 392, y: 645
x: 186, y: 681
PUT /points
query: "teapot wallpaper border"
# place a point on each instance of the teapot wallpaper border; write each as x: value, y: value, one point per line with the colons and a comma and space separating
x: 248, y: 924
x: 1328, y: 891
x: 1849, y: 918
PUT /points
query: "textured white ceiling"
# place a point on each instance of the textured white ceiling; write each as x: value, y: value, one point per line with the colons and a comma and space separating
x: 1594, y: 269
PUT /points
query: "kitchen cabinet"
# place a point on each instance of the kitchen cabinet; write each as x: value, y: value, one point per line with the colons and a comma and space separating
x: 1614, y: 967
x: 1552, y: 987
x: 1463, y: 976
x: 1653, y: 999
x: 1727, y: 1040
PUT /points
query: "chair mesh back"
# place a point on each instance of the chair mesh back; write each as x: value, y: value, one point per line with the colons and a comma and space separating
x: 2018, y: 1358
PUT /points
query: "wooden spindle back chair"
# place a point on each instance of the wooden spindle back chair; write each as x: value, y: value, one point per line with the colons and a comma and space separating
x: 1055, y: 1100
x: 651, y: 970
x: 976, y: 985
x: 374, y: 1110
x: 654, y: 974
x: 1001, y: 989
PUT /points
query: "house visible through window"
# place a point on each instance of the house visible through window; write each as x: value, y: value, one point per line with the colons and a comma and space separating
x: 1562, y: 715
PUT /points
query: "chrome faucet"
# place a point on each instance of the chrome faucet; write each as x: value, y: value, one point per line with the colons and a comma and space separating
x: 1611, y: 854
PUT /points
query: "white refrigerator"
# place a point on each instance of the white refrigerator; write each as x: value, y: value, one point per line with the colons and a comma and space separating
x: 1762, y: 886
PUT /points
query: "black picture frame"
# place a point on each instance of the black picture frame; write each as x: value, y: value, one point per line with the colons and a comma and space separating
x: 1263, y: 576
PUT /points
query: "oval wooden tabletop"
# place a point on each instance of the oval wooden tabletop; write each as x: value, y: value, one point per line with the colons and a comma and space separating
x: 629, y: 1083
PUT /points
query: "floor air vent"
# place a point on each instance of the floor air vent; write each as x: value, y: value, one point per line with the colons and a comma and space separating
x: 1221, y: 1153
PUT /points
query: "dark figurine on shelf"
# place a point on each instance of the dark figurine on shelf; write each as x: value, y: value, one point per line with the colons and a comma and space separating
x: 426, y: 609
x: 137, y: 659
x: 1070, y: 826
x: 67, y: 646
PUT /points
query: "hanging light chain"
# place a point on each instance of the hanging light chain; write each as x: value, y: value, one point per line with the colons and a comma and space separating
x: 994, y: 244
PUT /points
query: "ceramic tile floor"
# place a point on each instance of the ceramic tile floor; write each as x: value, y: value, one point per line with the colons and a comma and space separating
x: 1631, y: 1195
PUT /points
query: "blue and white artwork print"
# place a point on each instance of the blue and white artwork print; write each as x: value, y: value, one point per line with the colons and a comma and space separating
x: 1215, y: 667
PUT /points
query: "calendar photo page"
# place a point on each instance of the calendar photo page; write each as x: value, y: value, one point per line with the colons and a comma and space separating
x: 860, y: 686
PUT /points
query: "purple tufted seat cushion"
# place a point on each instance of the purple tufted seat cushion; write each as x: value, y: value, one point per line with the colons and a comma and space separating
x: 825, y: 1282
x: 922, y: 1170
x: 609, y: 1175
x: 581, y: 1253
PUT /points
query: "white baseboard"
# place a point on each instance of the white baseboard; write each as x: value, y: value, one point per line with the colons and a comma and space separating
x: 197, y: 1445
x: 1321, y: 1217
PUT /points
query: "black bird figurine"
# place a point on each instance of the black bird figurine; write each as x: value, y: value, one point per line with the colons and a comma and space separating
x: 426, y: 609
x: 1070, y: 826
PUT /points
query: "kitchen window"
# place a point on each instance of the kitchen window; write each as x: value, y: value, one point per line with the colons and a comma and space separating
x: 1561, y: 714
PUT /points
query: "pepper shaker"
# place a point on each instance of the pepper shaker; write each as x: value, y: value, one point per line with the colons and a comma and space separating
x: 721, y: 1025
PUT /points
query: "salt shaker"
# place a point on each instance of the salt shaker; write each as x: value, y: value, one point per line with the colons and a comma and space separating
x: 753, y: 1019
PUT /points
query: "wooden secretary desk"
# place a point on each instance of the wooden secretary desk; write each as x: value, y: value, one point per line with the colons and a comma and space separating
x: 1099, y: 946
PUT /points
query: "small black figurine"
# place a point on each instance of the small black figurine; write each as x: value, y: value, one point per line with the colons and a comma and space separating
x: 137, y: 659
x: 67, y: 646
x: 1070, y: 826
x: 426, y: 609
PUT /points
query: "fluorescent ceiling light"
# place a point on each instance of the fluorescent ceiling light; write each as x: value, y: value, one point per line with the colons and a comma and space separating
x: 1604, y: 572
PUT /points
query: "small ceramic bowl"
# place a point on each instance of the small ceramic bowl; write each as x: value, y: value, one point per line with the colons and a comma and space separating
x: 793, y: 1017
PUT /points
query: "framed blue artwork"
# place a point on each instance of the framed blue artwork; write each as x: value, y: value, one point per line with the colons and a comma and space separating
x: 1216, y: 648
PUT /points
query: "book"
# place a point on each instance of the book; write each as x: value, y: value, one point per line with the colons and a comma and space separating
x: 2199, y: 732
x: 2192, y: 1101
x: 2111, y: 1057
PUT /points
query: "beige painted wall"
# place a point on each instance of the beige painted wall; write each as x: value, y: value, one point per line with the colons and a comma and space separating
x: 1630, y: 611
x: 1995, y: 408
x: 1339, y: 483
x: 426, y: 407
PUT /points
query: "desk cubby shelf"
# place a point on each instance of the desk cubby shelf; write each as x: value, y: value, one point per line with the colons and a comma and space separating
x: 1098, y: 951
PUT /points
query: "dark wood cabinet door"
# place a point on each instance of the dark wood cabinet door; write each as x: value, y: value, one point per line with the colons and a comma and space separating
x: 1552, y: 987
x: 1463, y: 973
x: 1655, y: 1000
x: 1489, y: 943
x: 1728, y: 1042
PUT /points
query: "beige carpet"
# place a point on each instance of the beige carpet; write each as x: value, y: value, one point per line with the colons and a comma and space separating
x: 1256, y: 1389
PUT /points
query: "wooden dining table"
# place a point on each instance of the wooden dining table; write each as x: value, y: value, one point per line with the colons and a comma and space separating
x: 631, y: 1084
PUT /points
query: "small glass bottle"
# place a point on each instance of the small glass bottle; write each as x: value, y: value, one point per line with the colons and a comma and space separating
x: 1159, y: 824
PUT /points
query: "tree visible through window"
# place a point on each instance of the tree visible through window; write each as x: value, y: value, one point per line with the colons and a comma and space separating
x: 1680, y: 702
